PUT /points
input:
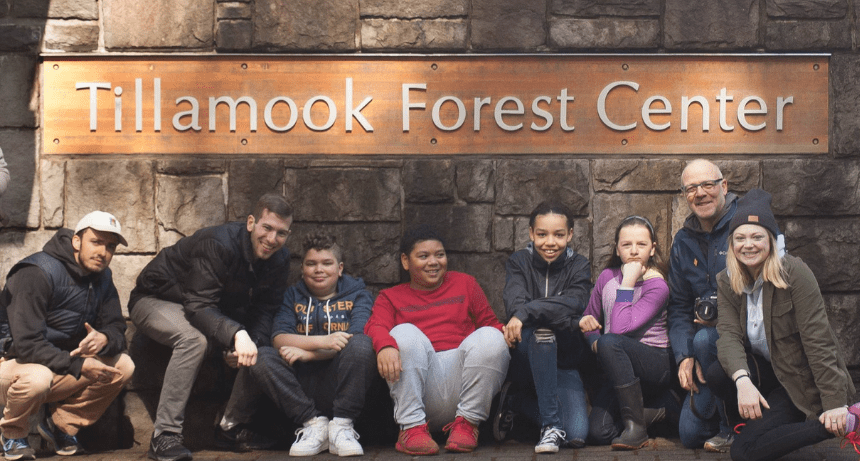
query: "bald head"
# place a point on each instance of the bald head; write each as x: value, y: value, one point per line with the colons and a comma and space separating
x: 708, y: 189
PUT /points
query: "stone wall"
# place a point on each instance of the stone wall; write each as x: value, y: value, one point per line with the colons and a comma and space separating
x: 480, y: 201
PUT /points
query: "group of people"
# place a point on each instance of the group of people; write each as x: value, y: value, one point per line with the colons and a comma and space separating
x: 741, y: 323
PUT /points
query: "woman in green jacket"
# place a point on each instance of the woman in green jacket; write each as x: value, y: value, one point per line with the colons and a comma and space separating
x: 780, y: 359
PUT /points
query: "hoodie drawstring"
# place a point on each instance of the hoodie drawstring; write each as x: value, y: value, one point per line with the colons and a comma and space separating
x: 308, y: 315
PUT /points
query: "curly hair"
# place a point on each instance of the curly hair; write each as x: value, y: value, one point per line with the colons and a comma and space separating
x: 419, y: 233
x: 322, y: 241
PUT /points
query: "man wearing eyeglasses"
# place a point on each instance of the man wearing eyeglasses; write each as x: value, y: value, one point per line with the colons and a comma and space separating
x: 698, y: 255
x: 222, y: 285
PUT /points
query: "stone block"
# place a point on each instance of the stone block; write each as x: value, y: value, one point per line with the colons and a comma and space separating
x: 489, y: 270
x: 20, y: 202
x: 18, y: 93
x: 830, y: 247
x: 428, y: 181
x: 741, y: 175
x: 807, y: 9
x: 611, y: 209
x: 125, y: 189
x: 812, y: 187
x: 370, y: 250
x: 722, y: 25
x: 503, y: 234
x: 522, y: 184
x: 186, y: 24
x: 413, y: 9
x: 190, y: 166
x: 844, y: 101
x: 53, y: 180
x: 234, y: 35
x: 475, y: 180
x: 248, y: 180
x: 313, y: 25
x: 71, y: 36
x: 125, y: 269
x: 805, y: 35
x: 348, y: 194
x: 188, y: 203
x: 430, y: 34
x: 464, y: 227
x: 17, y: 245
x: 66, y: 9
x: 680, y: 212
x: 604, y: 33
x: 844, y: 316
x: 20, y: 37
x: 233, y: 10
x: 595, y: 8
x: 621, y: 175
x: 508, y: 24
x: 521, y: 233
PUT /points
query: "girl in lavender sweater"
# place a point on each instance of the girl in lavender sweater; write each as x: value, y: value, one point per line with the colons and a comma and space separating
x: 625, y: 323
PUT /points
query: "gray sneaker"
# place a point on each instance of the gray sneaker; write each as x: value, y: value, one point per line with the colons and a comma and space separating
x: 720, y: 443
x: 17, y: 449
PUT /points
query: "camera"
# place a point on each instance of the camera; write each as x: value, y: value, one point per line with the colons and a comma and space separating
x: 706, y: 308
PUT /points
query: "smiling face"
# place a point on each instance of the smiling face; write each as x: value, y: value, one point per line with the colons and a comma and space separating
x: 269, y: 234
x: 94, y: 249
x: 706, y: 205
x: 551, y: 233
x: 751, y: 246
x: 320, y: 272
x: 634, y: 244
x: 426, y: 264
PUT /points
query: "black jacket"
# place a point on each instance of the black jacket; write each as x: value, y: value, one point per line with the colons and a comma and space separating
x: 545, y: 295
x: 212, y: 273
x: 46, y: 301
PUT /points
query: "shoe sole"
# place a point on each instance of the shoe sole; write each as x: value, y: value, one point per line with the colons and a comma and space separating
x: 401, y: 449
x: 624, y: 447
x: 21, y: 456
x: 307, y: 453
x: 546, y: 450
x: 715, y: 449
x: 333, y: 450
x: 459, y: 449
x: 151, y: 455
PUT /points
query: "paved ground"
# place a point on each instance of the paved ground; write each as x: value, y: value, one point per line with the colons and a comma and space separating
x: 659, y: 450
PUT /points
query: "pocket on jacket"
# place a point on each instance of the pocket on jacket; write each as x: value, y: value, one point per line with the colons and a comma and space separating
x: 783, y: 323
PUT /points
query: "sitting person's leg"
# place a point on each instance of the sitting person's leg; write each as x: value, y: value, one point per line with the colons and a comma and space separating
x: 23, y: 390
x: 417, y: 356
x: 232, y: 431
x: 573, y: 407
x: 699, y: 421
x: 352, y: 371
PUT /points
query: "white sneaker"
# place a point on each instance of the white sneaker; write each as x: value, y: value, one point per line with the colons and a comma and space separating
x: 550, y: 439
x: 342, y: 438
x: 311, y: 439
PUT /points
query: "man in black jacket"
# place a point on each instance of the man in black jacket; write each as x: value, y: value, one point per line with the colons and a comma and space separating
x: 63, y: 334
x: 223, y: 285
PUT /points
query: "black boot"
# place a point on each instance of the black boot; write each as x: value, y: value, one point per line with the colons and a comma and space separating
x: 630, y: 400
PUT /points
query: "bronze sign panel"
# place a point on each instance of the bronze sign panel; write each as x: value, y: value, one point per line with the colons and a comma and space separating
x: 472, y: 104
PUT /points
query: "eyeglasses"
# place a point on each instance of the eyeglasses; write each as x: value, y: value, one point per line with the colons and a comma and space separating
x: 707, y: 186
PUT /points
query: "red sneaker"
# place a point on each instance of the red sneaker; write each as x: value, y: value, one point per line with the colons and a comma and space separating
x: 416, y: 441
x: 463, y: 435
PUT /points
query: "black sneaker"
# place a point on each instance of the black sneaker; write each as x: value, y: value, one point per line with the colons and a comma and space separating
x: 168, y: 446
x: 241, y: 439
x: 503, y: 420
x: 720, y: 443
x: 17, y: 449
x: 63, y: 444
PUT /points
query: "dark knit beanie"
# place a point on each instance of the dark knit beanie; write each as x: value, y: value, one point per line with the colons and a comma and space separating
x: 754, y: 208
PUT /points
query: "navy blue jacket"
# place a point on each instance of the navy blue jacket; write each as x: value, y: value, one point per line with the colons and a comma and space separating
x: 222, y: 289
x: 696, y: 259
x: 47, y: 299
x: 348, y: 310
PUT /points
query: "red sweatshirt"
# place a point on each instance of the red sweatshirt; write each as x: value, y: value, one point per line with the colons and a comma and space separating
x: 446, y: 315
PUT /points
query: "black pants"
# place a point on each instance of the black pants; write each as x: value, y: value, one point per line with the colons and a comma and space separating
x: 335, y: 387
x: 781, y: 430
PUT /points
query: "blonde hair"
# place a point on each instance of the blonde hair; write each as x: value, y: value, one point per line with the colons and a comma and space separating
x: 772, y: 270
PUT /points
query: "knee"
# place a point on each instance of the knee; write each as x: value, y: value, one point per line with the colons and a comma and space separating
x: 360, y: 348
x: 410, y: 339
x: 126, y: 368
x: 193, y: 341
x: 492, y: 342
x: 704, y: 340
x: 34, y: 383
x: 607, y: 345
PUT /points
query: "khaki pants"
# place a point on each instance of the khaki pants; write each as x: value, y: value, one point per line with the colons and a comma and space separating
x: 24, y: 387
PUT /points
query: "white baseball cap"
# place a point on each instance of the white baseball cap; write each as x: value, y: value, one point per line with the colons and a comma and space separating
x: 101, y: 221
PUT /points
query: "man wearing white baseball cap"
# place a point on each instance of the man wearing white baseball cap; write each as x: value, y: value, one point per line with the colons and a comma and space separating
x: 62, y: 334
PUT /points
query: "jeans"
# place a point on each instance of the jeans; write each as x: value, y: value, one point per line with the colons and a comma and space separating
x: 561, y: 400
x: 435, y: 387
x: 781, y: 430
x: 335, y: 387
x: 165, y: 322
x: 624, y: 360
x: 695, y: 431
